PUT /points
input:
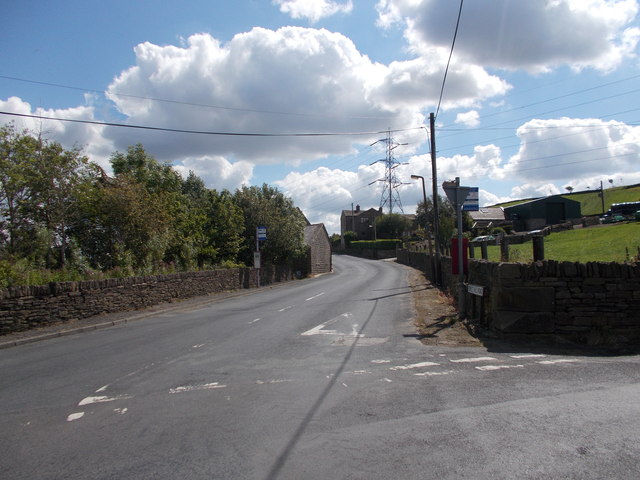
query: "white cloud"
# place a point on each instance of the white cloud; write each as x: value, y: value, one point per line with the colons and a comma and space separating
x: 557, y: 149
x: 89, y: 137
x: 217, y: 172
x: 534, y: 36
x: 470, y: 118
x: 313, y: 10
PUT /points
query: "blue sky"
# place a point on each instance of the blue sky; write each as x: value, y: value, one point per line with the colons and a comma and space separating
x: 539, y: 95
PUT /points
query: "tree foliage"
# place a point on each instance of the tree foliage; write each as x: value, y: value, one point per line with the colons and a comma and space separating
x: 59, y: 211
x: 392, y: 225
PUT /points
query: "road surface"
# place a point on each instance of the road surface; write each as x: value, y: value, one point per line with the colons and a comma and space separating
x: 319, y: 378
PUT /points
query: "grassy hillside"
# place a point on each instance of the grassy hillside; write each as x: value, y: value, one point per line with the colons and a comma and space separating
x: 597, y: 244
x: 591, y: 204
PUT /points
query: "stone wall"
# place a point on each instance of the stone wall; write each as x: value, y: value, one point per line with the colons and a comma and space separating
x: 594, y: 303
x: 22, y: 308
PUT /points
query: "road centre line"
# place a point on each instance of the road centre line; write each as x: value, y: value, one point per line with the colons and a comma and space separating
x: 286, y: 308
x: 315, y: 296
x: 528, y: 355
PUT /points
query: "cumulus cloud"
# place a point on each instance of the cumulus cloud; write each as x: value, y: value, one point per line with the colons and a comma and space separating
x: 556, y: 149
x: 292, y: 80
x: 89, y: 137
x: 470, y: 118
x: 313, y: 10
x: 534, y: 36
x: 217, y: 172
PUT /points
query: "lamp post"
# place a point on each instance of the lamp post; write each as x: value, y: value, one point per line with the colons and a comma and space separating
x: 426, y: 224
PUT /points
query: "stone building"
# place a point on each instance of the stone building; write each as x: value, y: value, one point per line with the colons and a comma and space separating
x: 319, y: 258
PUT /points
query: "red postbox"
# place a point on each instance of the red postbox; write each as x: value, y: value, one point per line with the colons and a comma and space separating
x: 454, y: 255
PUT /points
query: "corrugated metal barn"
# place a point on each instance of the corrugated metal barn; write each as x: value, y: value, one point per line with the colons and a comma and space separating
x: 539, y: 213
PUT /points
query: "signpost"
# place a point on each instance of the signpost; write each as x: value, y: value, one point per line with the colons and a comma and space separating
x: 261, y: 236
x: 463, y: 199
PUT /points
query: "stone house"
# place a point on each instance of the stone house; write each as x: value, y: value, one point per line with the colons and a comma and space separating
x: 360, y: 222
x: 319, y: 257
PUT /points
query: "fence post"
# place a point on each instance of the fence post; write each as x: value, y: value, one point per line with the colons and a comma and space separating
x: 484, y: 251
x: 504, y: 249
x: 538, y: 247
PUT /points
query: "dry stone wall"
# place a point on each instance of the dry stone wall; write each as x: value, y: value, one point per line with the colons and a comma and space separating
x: 23, y: 308
x: 594, y: 303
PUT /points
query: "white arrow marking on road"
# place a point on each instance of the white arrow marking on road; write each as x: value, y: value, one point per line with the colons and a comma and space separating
x: 320, y: 329
x: 315, y: 296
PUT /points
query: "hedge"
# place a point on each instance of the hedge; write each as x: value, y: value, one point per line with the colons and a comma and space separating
x: 377, y: 244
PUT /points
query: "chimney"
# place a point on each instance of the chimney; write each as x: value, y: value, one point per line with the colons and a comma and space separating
x: 357, y: 208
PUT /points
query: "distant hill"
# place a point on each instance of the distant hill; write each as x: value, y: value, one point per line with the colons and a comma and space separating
x: 590, y: 201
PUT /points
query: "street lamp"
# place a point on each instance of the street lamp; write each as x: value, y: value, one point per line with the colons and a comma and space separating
x: 426, y: 225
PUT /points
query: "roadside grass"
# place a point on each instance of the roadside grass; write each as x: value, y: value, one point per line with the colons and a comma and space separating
x: 610, y: 243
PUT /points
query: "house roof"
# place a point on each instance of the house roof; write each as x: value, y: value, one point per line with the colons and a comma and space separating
x: 310, y: 231
x: 488, y: 214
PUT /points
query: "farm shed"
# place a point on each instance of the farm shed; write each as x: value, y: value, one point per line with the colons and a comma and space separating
x: 537, y: 214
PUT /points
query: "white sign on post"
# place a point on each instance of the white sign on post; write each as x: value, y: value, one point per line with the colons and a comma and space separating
x: 256, y: 259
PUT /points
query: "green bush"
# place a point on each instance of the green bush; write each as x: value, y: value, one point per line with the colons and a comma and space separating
x: 387, y: 244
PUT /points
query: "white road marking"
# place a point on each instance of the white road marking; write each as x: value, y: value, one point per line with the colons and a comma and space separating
x: 102, y: 399
x: 267, y: 382
x: 320, y: 329
x: 471, y: 360
x: 361, y: 372
x: 345, y: 385
x: 75, y: 416
x: 121, y: 411
x: 198, y: 346
x: 380, y: 361
x: 102, y: 389
x: 315, y: 296
x: 415, y: 365
x: 433, y: 374
x: 286, y: 308
x: 486, y: 368
x: 254, y: 321
x: 192, y: 388
x: 528, y: 355
x: 387, y: 380
x: 562, y: 360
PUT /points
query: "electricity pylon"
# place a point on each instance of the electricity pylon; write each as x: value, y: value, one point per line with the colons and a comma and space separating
x: 390, y: 195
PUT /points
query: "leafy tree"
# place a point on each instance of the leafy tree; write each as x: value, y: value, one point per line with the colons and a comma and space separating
x: 447, y: 216
x: 266, y: 206
x: 16, y: 154
x: 121, y: 225
x: 392, y: 225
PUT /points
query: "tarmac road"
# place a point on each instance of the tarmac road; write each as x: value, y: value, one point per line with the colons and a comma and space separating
x: 320, y: 378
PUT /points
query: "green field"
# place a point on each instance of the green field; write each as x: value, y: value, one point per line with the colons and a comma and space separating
x: 591, y: 202
x: 607, y: 243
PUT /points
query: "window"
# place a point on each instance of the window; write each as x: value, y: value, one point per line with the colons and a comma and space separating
x: 364, y: 220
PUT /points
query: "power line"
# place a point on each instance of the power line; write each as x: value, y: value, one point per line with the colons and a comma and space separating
x: 194, y: 104
x: 455, y: 34
x: 204, y: 132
